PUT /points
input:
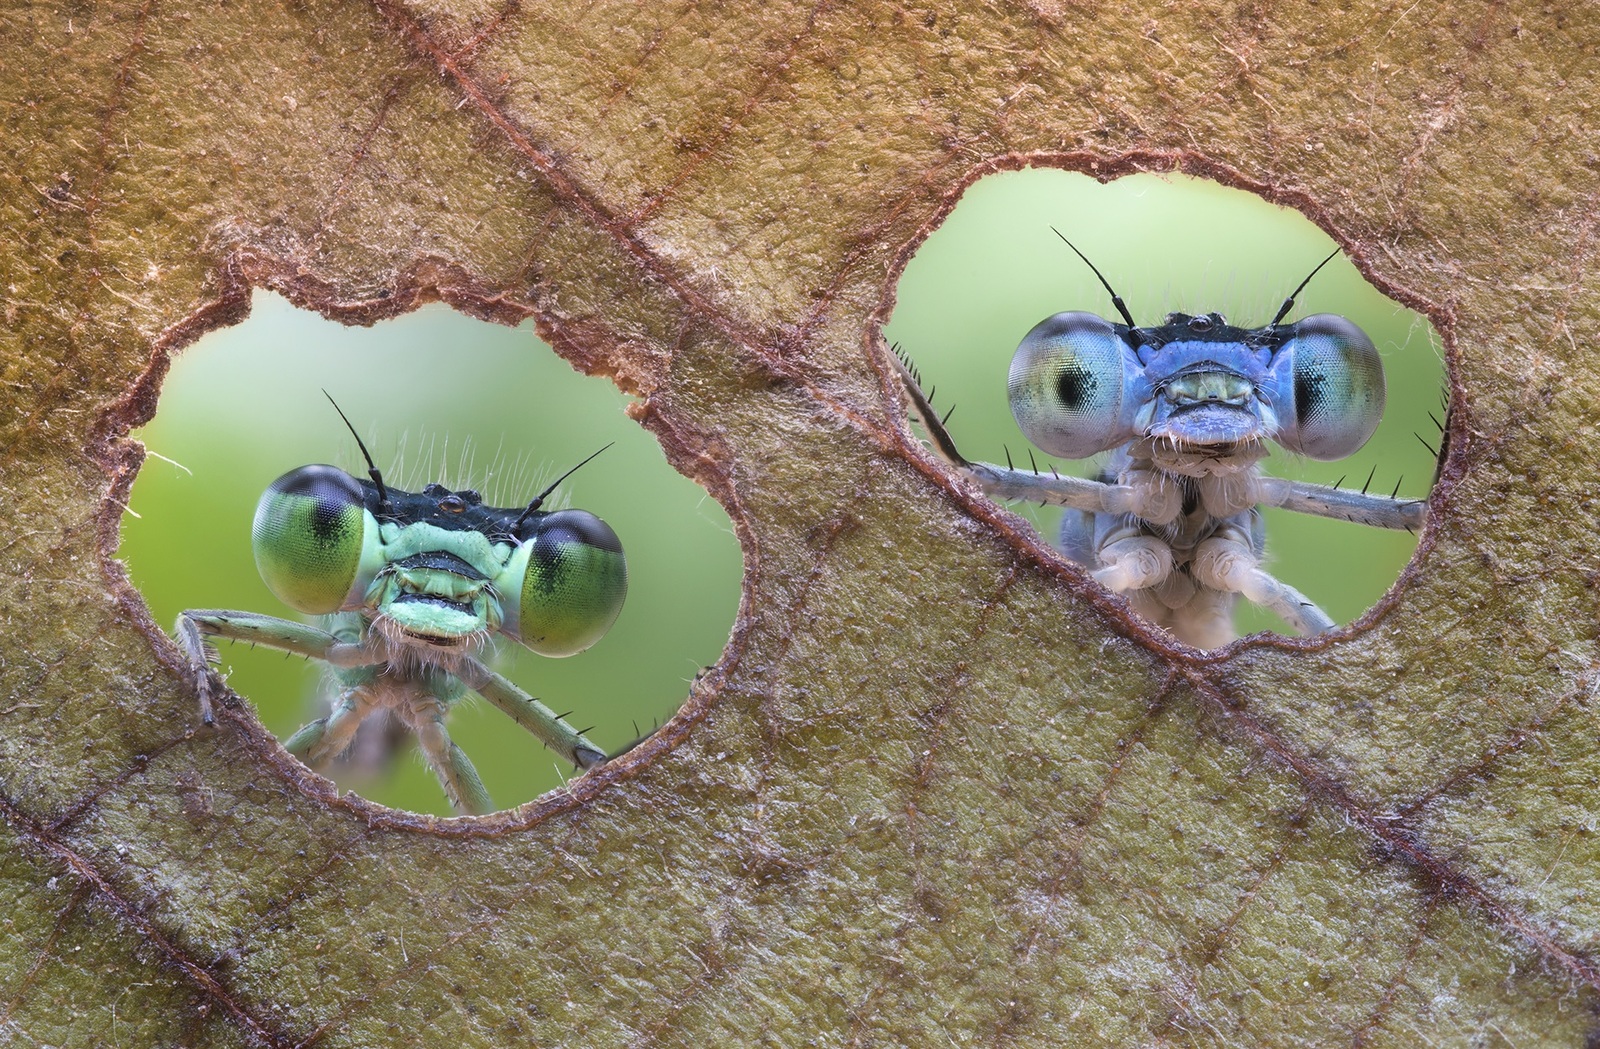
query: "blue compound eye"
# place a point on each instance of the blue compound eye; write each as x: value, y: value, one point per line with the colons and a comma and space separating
x: 1067, y: 385
x: 1335, y: 381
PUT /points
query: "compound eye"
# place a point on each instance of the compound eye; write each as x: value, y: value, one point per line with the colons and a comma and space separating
x: 572, y: 577
x: 1336, y: 384
x: 310, y: 533
x: 1067, y: 385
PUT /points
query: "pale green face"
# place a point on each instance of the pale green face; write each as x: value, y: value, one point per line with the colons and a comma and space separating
x: 439, y: 565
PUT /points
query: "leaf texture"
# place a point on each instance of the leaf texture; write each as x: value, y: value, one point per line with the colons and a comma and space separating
x: 940, y: 789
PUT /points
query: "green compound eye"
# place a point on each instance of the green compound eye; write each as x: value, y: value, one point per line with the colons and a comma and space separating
x: 312, y: 536
x: 574, y: 578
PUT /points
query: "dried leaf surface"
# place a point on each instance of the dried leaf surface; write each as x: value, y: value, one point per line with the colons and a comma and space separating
x: 940, y: 789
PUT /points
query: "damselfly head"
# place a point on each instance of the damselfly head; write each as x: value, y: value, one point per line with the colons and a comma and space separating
x: 1081, y: 385
x: 438, y: 570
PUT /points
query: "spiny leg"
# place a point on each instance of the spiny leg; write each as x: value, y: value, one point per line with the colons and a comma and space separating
x: 1227, y: 562
x: 1343, y: 504
x: 324, y: 739
x: 1136, y: 562
x: 197, y: 625
x: 287, y: 635
x: 320, y: 742
x: 1155, y: 503
x: 199, y: 654
x: 461, y: 783
x: 530, y: 714
x: 1160, y: 504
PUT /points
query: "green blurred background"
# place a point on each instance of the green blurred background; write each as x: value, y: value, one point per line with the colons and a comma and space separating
x: 498, y: 411
x: 994, y: 269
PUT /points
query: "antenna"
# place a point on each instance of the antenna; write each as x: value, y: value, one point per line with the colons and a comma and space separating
x: 372, y: 470
x: 539, y: 499
x: 1116, y: 300
x: 1288, y: 304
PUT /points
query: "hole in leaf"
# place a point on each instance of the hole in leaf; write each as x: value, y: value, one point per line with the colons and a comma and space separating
x: 496, y: 411
x: 1168, y: 243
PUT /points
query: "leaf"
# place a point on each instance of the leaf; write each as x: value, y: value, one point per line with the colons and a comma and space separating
x: 940, y: 789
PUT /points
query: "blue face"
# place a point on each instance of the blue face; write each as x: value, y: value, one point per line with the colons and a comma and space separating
x: 1081, y: 385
